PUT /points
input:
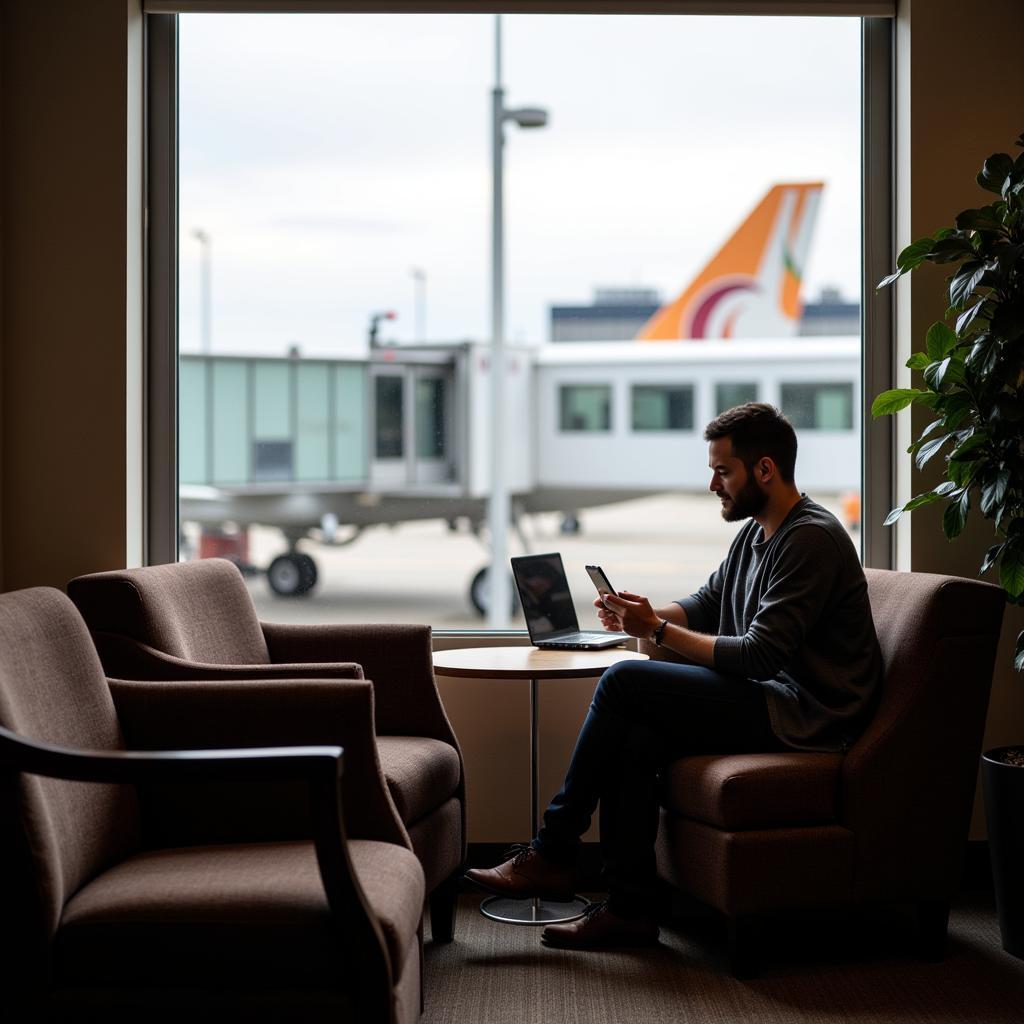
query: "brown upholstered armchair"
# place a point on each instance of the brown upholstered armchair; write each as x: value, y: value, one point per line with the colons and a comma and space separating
x: 196, y: 620
x: 315, y: 919
x: 754, y: 834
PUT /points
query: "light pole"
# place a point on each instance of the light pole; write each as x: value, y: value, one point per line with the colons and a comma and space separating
x: 205, y: 289
x: 499, y: 595
x: 419, y: 276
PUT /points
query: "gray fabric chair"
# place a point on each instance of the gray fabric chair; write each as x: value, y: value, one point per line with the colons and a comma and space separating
x: 753, y: 834
x: 196, y: 620
x: 297, y: 917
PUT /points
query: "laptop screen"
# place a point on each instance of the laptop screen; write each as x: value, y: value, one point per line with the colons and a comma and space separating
x: 544, y: 591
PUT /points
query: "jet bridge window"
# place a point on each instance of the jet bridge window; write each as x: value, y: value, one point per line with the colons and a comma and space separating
x: 585, y: 407
x: 430, y: 433
x: 818, y: 406
x: 729, y: 394
x: 663, y: 407
x: 390, y: 418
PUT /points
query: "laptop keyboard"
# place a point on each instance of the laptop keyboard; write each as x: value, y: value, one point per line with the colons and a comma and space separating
x: 575, y: 641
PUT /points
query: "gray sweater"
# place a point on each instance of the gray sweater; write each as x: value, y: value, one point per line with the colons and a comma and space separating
x: 792, y: 613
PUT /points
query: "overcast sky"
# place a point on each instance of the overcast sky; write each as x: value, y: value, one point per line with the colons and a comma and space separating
x: 329, y: 155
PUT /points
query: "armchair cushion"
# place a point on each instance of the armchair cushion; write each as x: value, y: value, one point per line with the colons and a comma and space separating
x: 223, y: 915
x: 748, y: 791
x: 421, y: 773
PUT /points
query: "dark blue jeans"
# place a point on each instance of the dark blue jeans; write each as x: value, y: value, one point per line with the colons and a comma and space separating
x: 644, y: 716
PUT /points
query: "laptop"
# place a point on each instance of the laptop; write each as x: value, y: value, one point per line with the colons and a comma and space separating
x: 547, y: 605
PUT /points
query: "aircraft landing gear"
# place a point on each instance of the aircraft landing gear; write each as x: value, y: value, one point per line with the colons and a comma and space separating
x: 479, y: 594
x: 570, y: 524
x: 292, y: 574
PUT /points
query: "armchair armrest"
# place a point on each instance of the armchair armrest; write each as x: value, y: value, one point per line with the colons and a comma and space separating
x: 136, y: 660
x: 398, y: 658
x: 195, y: 714
x: 308, y: 763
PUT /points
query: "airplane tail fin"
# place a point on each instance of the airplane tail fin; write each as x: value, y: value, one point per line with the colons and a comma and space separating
x: 751, y: 286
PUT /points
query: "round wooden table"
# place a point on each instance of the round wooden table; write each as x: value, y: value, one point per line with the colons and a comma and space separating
x: 533, y: 664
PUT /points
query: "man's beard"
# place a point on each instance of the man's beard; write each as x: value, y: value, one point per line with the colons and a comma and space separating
x: 749, y: 502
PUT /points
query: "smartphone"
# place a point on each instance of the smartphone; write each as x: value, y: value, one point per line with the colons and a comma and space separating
x: 600, y: 580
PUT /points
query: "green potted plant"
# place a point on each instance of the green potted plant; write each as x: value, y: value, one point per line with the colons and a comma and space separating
x: 972, y: 380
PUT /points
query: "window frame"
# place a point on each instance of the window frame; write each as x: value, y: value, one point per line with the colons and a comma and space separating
x: 160, y: 386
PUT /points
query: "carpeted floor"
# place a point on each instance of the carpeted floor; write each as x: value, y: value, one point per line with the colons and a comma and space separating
x: 817, y: 970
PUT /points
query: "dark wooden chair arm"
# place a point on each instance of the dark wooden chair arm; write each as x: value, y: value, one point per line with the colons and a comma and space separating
x: 313, y: 764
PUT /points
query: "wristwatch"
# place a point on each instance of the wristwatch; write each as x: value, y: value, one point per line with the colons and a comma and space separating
x: 659, y: 632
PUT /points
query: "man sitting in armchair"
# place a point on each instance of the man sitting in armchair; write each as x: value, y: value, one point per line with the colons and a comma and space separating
x: 782, y: 655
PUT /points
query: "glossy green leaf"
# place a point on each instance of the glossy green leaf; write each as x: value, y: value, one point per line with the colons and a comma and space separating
x: 972, y: 448
x: 994, y: 172
x: 918, y: 361
x: 961, y: 288
x: 955, y: 517
x: 983, y: 353
x: 928, y: 449
x: 1018, y: 653
x: 893, y: 516
x: 985, y: 219
x: 939, y: 341
x: 1011, y: 572
x: 990, y: 558
x: 967, y: 318
x: 994, y: 492
x: 935, y: 372
x: 926, y: 498
x: 914, y: 254
x: 962, y: 473
x: 889, y: 402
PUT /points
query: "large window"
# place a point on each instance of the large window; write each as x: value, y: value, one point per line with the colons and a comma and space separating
x: 668, y: 250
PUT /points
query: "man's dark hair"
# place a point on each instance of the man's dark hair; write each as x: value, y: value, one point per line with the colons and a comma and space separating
x: 757, y: 429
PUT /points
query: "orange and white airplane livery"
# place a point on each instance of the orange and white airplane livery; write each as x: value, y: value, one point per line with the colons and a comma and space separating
x: 751, y: 287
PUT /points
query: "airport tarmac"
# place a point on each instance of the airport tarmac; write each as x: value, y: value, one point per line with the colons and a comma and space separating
x: 664, y: 547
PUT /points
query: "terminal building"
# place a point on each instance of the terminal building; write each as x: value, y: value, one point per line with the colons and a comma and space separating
x: 617, y: 314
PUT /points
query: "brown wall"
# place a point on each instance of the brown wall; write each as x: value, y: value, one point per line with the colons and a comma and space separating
x: 63, y: 210
x: 950, y: 123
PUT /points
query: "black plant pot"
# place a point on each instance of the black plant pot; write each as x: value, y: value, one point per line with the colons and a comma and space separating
x: 1003, y: 785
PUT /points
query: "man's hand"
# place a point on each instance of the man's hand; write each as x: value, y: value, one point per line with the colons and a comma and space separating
x: 633, y: 613
x: 608, y: 618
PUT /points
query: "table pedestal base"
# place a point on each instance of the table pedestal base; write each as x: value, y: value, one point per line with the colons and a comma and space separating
x: 501, y: 908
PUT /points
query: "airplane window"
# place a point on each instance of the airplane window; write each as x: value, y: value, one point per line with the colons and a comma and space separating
x: 818, y: 406
x: 657, y: 407
x: 585, y: 407
x: 670, y: 250
x: 729, y: 394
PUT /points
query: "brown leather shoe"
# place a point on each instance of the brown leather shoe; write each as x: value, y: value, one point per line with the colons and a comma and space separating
x: 525, y: 876
x: 599, y: 928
